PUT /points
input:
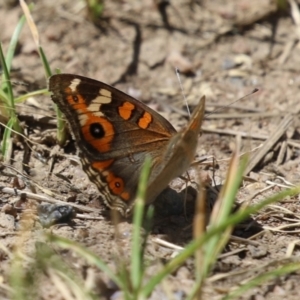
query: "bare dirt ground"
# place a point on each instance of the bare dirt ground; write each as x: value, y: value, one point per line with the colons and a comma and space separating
x: 224, y: 50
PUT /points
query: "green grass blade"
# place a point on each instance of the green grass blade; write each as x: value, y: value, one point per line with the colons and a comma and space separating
x: 45, y: 62
x: 3, y: 96
x: 9, y: 104
x: 13, y: 43
x: 22, y: 98
x: 5, y: 85
x: 12, y: 48
x: 6, y: 79
x: 61, y: 124
x: 147, y: 227
x: 6, y: 139
x: 4, y: 103
x: 136, y: 256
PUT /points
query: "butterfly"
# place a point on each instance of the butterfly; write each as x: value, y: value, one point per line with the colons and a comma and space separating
x: 115, y: 132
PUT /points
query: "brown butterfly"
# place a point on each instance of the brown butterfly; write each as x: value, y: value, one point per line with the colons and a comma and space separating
x: 115, y: 132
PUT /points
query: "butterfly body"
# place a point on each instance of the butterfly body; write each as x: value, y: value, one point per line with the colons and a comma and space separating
x: 115, y: 132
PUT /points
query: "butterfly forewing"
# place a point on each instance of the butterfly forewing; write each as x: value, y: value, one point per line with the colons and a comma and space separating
x: 114, y: 133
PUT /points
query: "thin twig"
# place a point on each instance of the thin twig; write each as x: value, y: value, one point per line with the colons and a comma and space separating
x: 37, y: 197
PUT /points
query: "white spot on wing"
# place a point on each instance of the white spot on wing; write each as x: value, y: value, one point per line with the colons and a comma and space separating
x: 103, y: 98
x: 95, y: 108
x: 105, y: 93
x: 74, y: 84
x: 82, y: 119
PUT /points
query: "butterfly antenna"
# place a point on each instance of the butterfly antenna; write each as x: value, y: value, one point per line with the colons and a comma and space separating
x: 182, y: 91
x: 242, y: 98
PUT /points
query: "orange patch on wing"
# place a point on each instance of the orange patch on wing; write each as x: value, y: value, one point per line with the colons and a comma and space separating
x: 101, y: 144
x: 116, y: 185
x: 145, y: 120
x: 79, y: 104
x: 125, y: 111
x: 102, y: 165
x: 125, y: 196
